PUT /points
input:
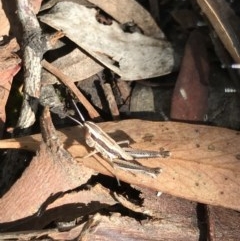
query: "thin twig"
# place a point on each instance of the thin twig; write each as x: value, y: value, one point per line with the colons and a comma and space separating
x: 111, y: 101
x: 70, y: 84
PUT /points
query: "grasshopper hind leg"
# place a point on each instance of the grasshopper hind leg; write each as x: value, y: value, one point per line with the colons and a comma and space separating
x: 110, y: 162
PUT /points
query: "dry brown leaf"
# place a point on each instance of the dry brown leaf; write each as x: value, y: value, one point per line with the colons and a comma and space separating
x: 204, y: 165
x: 132, y: 56
x: 225, y: 23
x: 76, y: 65
x: 5, y: 25
x: 190, y: 96
x: 9, y: 66
x: 130, y: 11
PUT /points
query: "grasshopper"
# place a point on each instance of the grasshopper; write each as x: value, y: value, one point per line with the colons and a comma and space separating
x: 113, y: 153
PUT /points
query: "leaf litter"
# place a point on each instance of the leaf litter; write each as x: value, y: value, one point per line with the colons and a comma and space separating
x: 119, y: 40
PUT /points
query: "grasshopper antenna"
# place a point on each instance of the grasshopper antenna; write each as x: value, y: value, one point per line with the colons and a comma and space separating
x: 79, y: 113
x: 75, y: 120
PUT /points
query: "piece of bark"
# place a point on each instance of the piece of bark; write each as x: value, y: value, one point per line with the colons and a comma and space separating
x: 173, y: 215
x: 224, y: 224
x: 204, y: 165
x: 175, y: 218
x: 172, y: 221
x: 123, y: 228
x: 190, y: 96
x: 32, y: 47
x: 51, y: 172
x: 71, y: 205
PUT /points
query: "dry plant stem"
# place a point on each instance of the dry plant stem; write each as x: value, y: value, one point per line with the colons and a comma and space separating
x: 69, y: 83
x: 32, y: 54
x: 111, y: 101
x: 202, y: 167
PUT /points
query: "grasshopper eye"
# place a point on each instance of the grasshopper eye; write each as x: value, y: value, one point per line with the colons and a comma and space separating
x: 90, y: 142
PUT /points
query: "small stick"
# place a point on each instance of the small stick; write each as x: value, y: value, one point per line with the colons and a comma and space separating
x: 124, y: 89
x: 111, y: 101
x: 69, y: 83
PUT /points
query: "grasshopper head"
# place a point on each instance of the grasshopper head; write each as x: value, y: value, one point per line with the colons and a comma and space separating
x: 88, y: 138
